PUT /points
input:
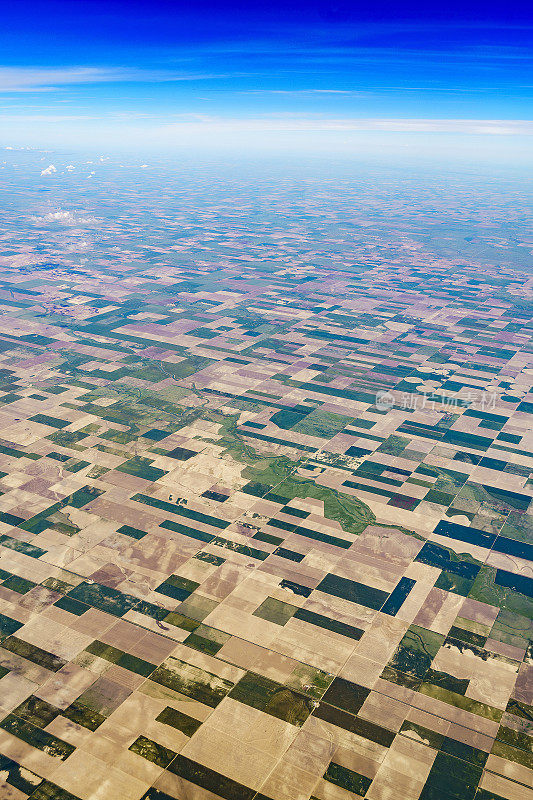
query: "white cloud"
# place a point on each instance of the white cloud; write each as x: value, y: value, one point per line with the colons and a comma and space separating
x: 49, y: 170
x: 498, y: 140
x: 64, y: 218
x: 45, y: 79
x: 139, y: 126
x: 315, y: 123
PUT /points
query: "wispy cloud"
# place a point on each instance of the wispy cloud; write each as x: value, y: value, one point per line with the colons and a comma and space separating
x: 276, y: 122
x: 34, y: 79
x: 288, y: 122
x: 297, y: 91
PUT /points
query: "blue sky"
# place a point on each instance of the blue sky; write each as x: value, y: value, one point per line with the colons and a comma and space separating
x: 157, y: 71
